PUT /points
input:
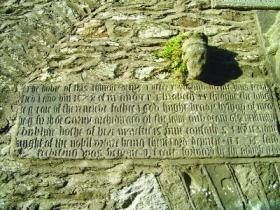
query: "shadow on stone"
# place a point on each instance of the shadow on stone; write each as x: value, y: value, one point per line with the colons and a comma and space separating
x: 221, y: 67
x: 187, y: 179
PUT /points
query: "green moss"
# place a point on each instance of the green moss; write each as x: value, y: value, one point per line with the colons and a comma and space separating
x: 173, y: 52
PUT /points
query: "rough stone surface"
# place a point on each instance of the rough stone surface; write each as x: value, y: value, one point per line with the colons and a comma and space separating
x: 155, y: 32
x: 144, y: 193
x: 194, y: 55
x: 273, y: 36
x: 144, y: 73
x: 246, y: 4
x: 106, y: 70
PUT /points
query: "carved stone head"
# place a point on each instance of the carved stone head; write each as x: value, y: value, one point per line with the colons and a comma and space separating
x: 194, y: 54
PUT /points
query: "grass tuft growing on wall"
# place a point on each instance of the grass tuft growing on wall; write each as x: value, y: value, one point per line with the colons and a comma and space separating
x: 172, y: 50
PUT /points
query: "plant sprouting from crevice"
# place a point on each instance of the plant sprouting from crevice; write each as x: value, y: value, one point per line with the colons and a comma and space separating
x: 172, y: 51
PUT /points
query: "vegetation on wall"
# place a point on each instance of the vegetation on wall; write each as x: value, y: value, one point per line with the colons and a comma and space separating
x: 172, y: 50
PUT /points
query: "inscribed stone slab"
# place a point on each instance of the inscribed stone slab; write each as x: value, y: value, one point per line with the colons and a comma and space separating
x: 246, y: 4
x: 135, y: 120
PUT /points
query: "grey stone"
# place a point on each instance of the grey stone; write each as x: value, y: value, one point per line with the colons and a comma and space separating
x: 194, y: 55
x: 4, y: 123
x: 143, y: 194
x: 273, y: 36
x: 32, y: 205
x: 163, y: 75
x: 106, y: 70
x: 249, y: 4
x: 154, y: 31
x: 266, y: 19
x: 89, y: 27
x: 144, y: 73
x: 117, y: 112
x: 125, y: 17
x: 5, y: 151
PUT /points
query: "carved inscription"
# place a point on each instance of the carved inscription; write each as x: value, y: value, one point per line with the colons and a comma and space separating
x: 109, y: 121
x: 253, y: 4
